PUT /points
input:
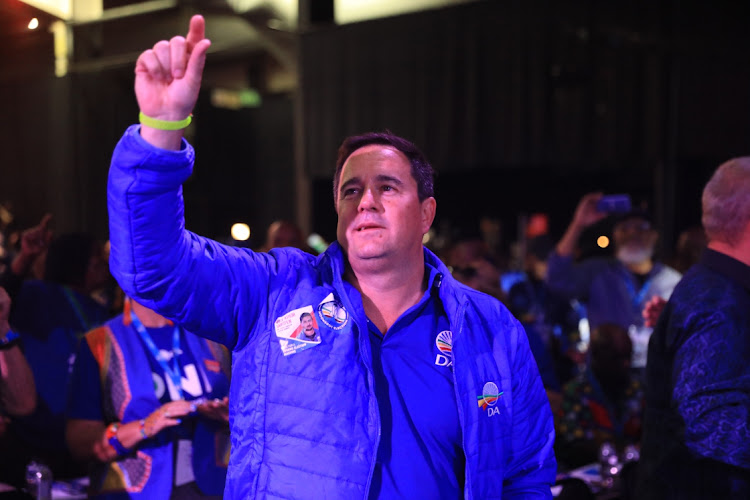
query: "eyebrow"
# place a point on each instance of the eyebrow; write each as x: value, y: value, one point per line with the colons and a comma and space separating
x: 378, y: 178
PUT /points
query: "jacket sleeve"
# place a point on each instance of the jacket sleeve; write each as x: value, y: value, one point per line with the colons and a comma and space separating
x: 531, y: 467
x: 189, y: 279
x: 712, y: 389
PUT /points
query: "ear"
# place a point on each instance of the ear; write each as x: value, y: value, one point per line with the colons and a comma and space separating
x: 428, y: 209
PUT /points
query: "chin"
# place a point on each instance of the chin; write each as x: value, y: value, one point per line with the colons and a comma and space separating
x: 368, y: 254
x: 369, y: 250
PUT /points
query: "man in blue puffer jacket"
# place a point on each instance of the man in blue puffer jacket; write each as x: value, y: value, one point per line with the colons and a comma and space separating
x: 418, y: 388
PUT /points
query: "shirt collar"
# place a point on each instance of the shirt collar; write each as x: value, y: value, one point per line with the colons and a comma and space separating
x: 727, y: 266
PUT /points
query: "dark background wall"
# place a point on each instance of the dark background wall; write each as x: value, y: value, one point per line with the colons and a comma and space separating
x: 522, y: 106
x: 525, y: 106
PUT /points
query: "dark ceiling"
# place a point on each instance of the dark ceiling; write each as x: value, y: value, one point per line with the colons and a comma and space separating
x: 239, y: 40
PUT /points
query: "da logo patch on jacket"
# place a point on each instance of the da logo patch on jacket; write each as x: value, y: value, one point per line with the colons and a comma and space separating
x: 488, y: 399
x: 444, y: 343
x: 332, y: 313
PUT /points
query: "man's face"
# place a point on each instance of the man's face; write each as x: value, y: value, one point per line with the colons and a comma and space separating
x: 307, y: 326
x: 380, y: 215
x: 634, y: 240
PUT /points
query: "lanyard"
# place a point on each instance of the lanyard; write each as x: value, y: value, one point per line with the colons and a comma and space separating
x: 73, y: 301
x: 636, y: 296
x: 172, y: 372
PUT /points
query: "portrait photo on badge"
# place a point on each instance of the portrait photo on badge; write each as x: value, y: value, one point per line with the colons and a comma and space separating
x: 297, y: 330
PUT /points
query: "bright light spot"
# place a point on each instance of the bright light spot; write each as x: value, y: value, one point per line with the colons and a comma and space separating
x: 317, y: 242
x: 426, y: 238
x: 602, y: 241
x: 240, y: 231
x: 34, y: 23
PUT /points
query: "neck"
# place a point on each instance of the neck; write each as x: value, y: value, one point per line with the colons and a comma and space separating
x: 387, y: 294
x: 643, y: 267
x: 149, y: 318
x: 740, y: 251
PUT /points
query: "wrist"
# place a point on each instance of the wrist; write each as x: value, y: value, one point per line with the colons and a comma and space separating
x: 167, y: 123
x: 110, y: 434
x: 8, y: 339
x: 142, y: 429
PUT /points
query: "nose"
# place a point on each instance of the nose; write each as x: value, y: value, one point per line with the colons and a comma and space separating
x: 368, y: 201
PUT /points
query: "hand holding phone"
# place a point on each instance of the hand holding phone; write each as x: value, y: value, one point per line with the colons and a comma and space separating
x: 614, y: 204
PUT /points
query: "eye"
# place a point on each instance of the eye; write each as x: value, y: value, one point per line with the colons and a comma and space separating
x: 349, y: 192
x: 388, y: 187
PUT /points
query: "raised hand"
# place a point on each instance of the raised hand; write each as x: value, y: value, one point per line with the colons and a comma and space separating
x: 168, y: 415
x: 652, y: 310
x: 586, y: 212
x: 34, y: 241
x: 217, y: 409
x: 168, y: 76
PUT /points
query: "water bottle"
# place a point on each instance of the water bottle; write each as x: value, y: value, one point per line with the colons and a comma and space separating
x: 39, y: 481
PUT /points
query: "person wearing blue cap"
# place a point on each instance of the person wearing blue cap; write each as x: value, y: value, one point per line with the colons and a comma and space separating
x: 616, y: 289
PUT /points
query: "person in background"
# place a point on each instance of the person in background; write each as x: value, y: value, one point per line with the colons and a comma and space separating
x: 17, y: 396
x: 613, y: 290
x: 353, y: 416
x: 471, y: 264
x: 161, y: 432
x: 689, y: 248
x: 551, y: 315
x: 25, y: 264
x: 51, y: 315
x: 696, y: 442
x: 602, y: 405
x: 283, y: 233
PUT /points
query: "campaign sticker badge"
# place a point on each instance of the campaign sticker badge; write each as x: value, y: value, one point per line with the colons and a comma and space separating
x: 332, y: 313
x: 297, y: 330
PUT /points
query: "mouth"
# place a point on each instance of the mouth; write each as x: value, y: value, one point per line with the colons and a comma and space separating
x: 366, y: 227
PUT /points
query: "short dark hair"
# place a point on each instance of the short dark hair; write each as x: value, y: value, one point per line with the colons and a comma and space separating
x: 303, y: 315
x: 421, y: 169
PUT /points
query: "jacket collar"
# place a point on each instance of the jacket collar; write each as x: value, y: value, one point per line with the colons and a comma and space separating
x: 333, y: 261
x: 332, y: 264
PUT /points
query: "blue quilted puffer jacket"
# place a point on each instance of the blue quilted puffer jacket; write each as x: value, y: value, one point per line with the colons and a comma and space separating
x: 306, y: 425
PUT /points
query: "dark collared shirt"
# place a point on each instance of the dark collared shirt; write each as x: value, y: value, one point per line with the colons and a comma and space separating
x: 697, y: 425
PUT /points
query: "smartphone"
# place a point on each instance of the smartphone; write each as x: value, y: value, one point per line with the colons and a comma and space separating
x: 614, y: 204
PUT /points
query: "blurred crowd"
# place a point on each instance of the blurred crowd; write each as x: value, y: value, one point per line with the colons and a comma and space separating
x: 79, y: 340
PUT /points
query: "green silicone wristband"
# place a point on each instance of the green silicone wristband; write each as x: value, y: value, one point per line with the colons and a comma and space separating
x: 164, y: 124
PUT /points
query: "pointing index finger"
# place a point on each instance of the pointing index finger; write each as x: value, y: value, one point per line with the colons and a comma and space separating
x: 45, y: 221
x: 196, y: 33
